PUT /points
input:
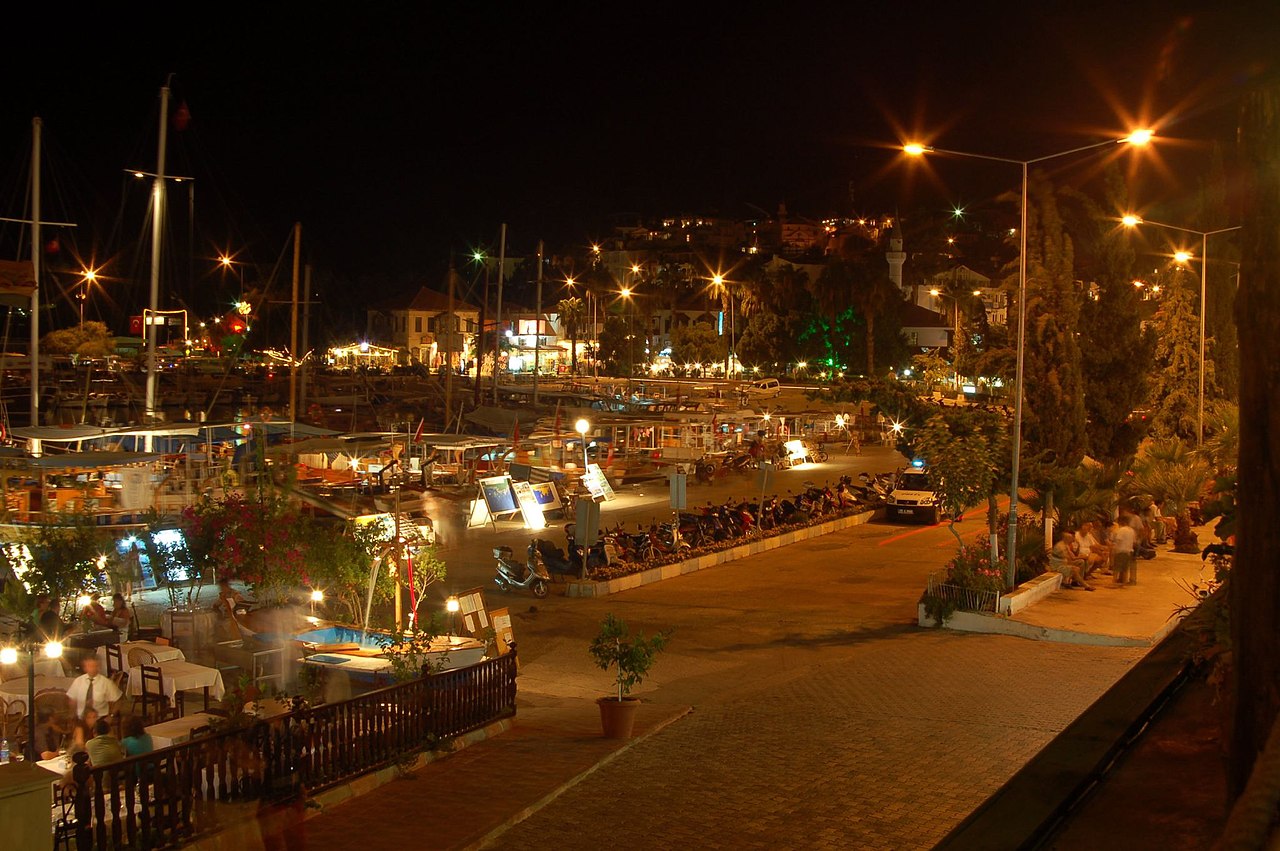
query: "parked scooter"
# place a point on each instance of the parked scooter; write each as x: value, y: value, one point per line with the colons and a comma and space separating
x: 554, y: 561
x: 511, y: 574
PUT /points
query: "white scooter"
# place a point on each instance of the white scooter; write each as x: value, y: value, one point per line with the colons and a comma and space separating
x: 512, y: 574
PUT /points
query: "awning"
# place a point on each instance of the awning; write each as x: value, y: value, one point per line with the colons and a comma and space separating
x: 93, y: 460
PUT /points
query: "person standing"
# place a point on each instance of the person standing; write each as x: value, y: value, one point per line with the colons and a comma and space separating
x: 1123, y: 539
x: 91, y: 690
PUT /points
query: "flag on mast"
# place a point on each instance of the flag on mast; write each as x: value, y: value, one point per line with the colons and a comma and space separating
x: 417, y: 435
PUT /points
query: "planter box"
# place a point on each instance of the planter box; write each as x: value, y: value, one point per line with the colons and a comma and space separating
x: 1029, y: 593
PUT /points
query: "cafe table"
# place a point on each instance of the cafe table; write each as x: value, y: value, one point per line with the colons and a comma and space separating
x: 159, y: 652
x: 177, y: 675
x: 175, y: 731
x: 15, y: 691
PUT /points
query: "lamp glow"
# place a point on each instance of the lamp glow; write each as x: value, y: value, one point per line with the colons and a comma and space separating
x: 581, y: 427
x: 1139, y: 137
x: 317, y: 596
x: 1182, y: 256
x: 8, y: 656
x: 451, y: 605
x: 914, y: 149
x: 53, y: 649
x: 1131, y: 221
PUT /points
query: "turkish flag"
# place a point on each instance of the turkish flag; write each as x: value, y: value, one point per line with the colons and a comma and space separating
x: 53, y: 246
x: 181, y: 117
x: 135, y: 325
x: 417, y: 435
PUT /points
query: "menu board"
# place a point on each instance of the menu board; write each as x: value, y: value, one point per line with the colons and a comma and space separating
x: 498, y: 494
x: 474, y: 616
x: 596, y: 482
x: 529, y: 507
x: 503, y: 635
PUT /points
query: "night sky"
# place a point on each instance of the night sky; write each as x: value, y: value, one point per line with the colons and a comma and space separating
x: 396, y: 132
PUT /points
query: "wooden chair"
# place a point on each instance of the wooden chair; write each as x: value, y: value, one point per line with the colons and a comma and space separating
x: 115, y: 659
x: 155, y: 703
x: 64, y: 815
x: 12, y: 720
x: 51, y: 702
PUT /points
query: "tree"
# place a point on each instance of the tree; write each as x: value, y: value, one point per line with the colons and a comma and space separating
x: 874, y: 294
x: 1254, y: 591
x: 1053, y: 392
x: 573, y: 313
x: 1176, y: 328
x: 697, y: 342
x: 966, y: 450
x: 614, y: 352
x: 1115, y: 354
x: 90, y: 340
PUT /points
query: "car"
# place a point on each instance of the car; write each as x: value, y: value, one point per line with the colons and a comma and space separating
x: 765, y: 388
x: 913, y: 498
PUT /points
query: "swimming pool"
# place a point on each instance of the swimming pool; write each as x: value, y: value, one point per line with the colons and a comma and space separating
x: 344, y: 635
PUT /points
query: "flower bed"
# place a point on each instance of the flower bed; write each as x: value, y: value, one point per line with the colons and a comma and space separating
x: 969, y: 583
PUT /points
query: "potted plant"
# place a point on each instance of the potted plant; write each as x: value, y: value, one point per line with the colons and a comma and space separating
x: 633, y: 656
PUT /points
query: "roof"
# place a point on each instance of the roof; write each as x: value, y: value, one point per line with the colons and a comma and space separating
x: 427, y: 301
x: 915, y: 316
x: 93, y: 460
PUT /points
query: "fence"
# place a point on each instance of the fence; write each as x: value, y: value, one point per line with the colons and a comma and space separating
x: 171, y: 796
x: 965, y: 599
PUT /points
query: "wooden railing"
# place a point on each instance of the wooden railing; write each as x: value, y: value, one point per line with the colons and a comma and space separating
x: 171, y: 796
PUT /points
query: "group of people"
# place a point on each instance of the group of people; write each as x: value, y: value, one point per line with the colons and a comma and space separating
x: 1106, y: 547
x: 87, y: 726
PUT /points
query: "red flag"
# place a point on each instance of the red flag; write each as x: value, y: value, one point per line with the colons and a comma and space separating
x: 515, y: 433
x: 609, y: 460
x: 417, y: 435
x: 557, y: 430
x: 181, y: 117
x: 53, y: 246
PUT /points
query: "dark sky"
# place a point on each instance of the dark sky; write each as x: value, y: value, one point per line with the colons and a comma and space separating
x: 394, y: 132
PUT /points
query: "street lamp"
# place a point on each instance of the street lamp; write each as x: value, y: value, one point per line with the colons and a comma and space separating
x: 1184, y: 257
x: 452, y: 606
x: 582, y: 427
x: 915, y: 149
x: 90, y: 277
x: 9, y: 656
x: 626, y: 293
x: 718, y: 282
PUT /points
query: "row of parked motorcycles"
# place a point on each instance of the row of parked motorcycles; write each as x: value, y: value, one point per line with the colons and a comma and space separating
x: 711, y: 524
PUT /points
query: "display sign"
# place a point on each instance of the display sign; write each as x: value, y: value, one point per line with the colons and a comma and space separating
x: 597, y: 483
x: 503, y: 635
x: 529, y: 507
x: 474, y: 617
x: 479, y: 514
x: 587, y: 520
x: 547, y: 495
x: 498, y: 494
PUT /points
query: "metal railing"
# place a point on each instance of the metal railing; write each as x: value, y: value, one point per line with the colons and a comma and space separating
x: 171, y: 796
x: 965, y: 599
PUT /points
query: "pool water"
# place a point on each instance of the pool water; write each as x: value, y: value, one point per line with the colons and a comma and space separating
x: 339, y: 635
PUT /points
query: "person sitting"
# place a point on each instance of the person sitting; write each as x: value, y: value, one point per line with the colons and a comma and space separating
x: 231, y: 601
x: 121, y: 618
x: 59, y: 730
x: 48, y: 624
x: 136, y: 738
x: 1088, y: 548
x: 104, y: 748
x: 1066, y: 562
x: 95, y: 613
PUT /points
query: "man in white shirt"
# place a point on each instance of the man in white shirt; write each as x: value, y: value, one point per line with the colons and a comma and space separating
x: 93, y: 689
x: 1093, y: 553
x: 1123, y: 539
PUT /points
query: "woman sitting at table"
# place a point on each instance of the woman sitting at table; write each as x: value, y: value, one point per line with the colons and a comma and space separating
x: 136, y: 738
x: 121, y: 617
x: 95, y: 613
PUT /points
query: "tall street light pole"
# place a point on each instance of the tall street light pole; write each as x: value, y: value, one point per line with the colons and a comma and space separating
x: 731, y: 357
x: 1139, y: 138
x: 1132, y: 221
x: 626, y: 293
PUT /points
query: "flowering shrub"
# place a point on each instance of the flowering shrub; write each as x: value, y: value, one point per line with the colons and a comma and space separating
x: 259, y: 541
x: 971, y: 568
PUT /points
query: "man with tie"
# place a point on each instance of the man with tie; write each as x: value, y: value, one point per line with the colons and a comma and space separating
x: 93, y: 689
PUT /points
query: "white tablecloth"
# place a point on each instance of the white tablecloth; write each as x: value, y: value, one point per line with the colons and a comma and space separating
x: 45, y: 667
x: 169, y: 733
x: 162, y: 652
x: 15, y: 691
x: 182, y: 676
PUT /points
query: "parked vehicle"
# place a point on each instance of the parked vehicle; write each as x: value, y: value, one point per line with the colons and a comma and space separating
x: 913, y: 498
x: 511, y: 574
x: 553, y: 559
x: 765, y: 388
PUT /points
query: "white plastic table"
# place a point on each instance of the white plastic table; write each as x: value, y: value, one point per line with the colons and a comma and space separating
x: 161, y: 652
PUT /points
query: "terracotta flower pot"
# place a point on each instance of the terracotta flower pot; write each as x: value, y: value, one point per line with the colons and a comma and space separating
x: 618, y: 717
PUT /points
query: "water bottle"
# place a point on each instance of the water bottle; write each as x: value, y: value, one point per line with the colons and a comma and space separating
x: 4, y: 751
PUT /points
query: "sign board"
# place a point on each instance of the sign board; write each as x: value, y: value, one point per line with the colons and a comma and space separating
x: 679, y: 485
x: 498, y: 494
x: 597, y: 483
x: 479, y: 514
x: 520, y: 471
x: 529, y: 507
x: 587, y: 530
x: 471, y: 609
x: 764, y: 476
x: 503, y: 635
x: 547, y: 495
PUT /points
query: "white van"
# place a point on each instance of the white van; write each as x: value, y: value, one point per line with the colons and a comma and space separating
x: 765, y: 388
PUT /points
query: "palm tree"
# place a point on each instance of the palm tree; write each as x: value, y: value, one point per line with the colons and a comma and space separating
x: 572, y: 312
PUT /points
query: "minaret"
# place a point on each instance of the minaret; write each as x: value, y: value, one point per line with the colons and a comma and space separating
x: 896, y: 257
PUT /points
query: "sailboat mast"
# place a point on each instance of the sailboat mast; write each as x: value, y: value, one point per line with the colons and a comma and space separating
x: 36, y: 125
x: 293, y: 327
x: 157, y: 224
x: 497, y: 328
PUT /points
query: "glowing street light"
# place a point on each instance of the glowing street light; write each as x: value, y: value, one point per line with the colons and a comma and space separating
x: 1139, y: 138
x: 1183, y: 258
x: 582, y: 427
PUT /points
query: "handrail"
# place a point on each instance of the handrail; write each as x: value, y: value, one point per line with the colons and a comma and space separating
x: 167, y: 797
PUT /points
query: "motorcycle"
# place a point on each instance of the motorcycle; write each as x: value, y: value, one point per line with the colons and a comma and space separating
x: 553, y: 560
x: 512, y: 575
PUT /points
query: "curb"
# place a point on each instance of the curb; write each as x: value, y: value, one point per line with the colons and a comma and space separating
x: 515, y: 819
x: 587, y: 588
x: 991, y: 624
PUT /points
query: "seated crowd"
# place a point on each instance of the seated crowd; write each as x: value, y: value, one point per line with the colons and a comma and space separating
x: 1105, y: 547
